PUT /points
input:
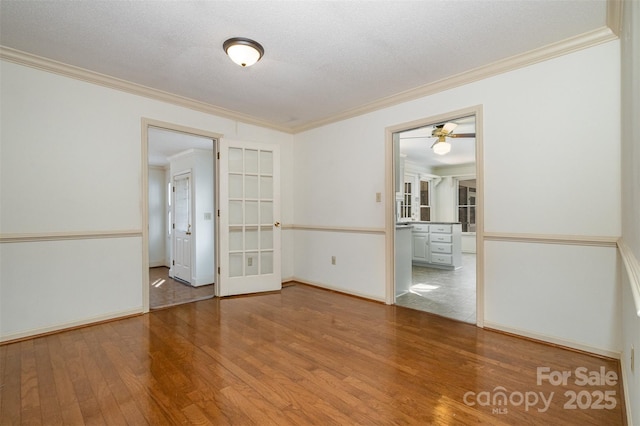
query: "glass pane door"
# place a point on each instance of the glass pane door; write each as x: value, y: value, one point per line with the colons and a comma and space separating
x: 251, y: 244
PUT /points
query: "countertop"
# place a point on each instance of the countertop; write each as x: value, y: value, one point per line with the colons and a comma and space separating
x: 403, y: 226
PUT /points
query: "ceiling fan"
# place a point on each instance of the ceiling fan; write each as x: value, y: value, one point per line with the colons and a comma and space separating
x: 443, y: 131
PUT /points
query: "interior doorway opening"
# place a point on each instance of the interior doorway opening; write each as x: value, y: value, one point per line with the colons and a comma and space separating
x: 436, y: 215
x: 180, y: 244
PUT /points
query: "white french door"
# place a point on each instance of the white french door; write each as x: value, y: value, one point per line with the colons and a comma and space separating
x: 249, y: 218
x: 181, y: 265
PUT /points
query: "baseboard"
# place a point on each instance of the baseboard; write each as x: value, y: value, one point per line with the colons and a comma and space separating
x: 156, y: 264
x: 206, y: 280
x: 9, y: 338
x: 339, y: 290
x: 553, y: 340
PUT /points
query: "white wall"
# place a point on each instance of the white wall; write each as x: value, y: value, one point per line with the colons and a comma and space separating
x: 630, y: 40
x: 359, y: 261
x: 71, y: 164
x: 561, y: 293
x: 157, y: 216
x: 575, y: 99
x: 204, y: 223
x: 55, y: 284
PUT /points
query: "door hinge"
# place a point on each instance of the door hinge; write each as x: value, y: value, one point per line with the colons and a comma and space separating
x: 173, y: 262
x: 218, y: 270
x: 174, y: 189
x: 218, y: 212
x: 218, y: 155
x: 173, y: 226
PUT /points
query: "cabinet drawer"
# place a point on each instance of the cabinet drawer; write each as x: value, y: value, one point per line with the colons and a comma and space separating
x: 443, y: 229
x: 444, y: 259
x: 420, y: 228
x: 441, y: 238
x: 440, y: 248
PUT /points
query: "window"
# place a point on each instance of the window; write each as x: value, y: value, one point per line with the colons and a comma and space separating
x: 425, y: 201
x: 467, y: 204
x: 405, y: 206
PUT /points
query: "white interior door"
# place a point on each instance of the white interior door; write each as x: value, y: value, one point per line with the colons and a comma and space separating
x: 249, y: 218
x: 181, y: 267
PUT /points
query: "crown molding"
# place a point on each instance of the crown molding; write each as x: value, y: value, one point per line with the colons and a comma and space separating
x: 583, y: 41
x: 49, y: 65
x: 573, y: 44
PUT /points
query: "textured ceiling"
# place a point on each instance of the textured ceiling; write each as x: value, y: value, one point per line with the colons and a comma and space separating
x: 322, y: 58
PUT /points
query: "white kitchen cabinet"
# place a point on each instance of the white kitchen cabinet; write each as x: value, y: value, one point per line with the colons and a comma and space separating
x: 437, y: 245
x: 420, y: 243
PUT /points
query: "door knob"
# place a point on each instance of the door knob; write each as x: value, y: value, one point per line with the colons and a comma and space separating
x: 277, y: 224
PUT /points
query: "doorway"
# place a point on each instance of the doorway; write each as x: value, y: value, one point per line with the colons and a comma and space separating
x: 436, y: 215
x: 180, y: 242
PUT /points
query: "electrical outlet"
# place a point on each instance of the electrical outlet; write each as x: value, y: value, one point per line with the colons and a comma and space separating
x: 333, y: 260
x: 378, y: 197
x: 633, y: 359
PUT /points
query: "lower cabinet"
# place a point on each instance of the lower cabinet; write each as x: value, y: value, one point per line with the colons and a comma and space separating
x: 437, y: 245
x: 420, y: 246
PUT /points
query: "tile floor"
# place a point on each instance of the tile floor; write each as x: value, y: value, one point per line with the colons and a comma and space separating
x: 451, y: 294
x: 165, y: 291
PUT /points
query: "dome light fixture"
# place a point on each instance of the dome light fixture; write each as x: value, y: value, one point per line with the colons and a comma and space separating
x: 441, y: 146
x: 243, y: 51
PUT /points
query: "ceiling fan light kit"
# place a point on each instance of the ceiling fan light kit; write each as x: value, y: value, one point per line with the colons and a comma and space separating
x: 441, y: 148
x: 243, y: 51
x: 444, y: 131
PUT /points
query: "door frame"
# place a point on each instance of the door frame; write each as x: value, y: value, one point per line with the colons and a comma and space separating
x: 390, y: 217
x: 145, y: 124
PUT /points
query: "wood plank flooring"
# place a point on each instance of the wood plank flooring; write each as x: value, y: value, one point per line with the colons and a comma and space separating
x: 299, y: 356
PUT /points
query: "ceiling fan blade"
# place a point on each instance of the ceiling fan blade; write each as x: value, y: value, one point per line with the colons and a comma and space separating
x: 434, y: 144
x: 463, y: 135
x: 448, y: 127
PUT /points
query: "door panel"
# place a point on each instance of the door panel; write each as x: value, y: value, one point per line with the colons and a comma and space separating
x: 249, y: 218
x: 182, y: 227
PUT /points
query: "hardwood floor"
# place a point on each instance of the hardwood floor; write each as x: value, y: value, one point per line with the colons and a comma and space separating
x: 299, y: 356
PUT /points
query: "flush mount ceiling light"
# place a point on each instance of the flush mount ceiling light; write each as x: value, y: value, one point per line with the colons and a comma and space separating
x: 243, y: 51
